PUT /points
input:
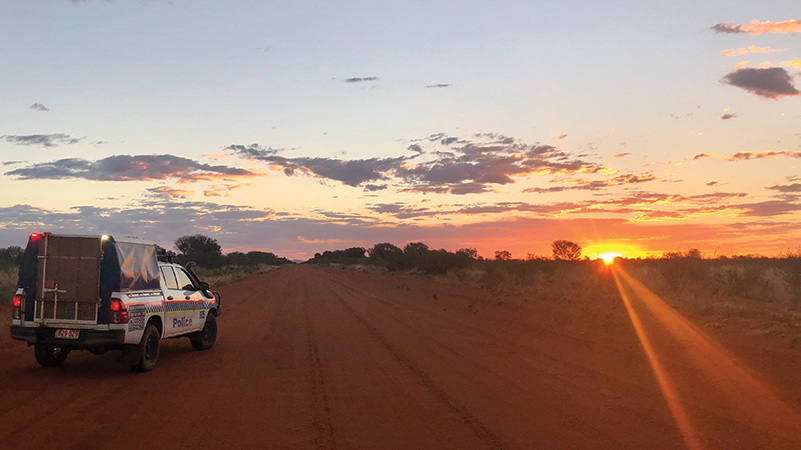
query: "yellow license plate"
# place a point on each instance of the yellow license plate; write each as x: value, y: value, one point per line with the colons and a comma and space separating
x: 67, y: 334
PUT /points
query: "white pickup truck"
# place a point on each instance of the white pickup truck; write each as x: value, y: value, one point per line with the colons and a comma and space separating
x: 98, y: 293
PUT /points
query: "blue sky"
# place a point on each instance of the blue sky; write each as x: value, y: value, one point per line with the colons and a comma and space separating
x: 589, y: 80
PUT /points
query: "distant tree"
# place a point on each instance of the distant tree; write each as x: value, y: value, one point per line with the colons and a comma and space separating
x: 12, y: 255
x: 387, y: 255
x: 469, y: 251
x: 503, y: 255
x: 203, y: 250
x: 566, y: 250
x: 693, y: 253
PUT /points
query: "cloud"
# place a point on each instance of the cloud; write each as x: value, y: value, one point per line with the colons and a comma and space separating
x: 757, y: 27
x: 45, y: 140
x: 594, y: 185
x: 742, y: 51
x: 728, y: 116
x: 622, y: 155
x: 39, y: 107
x: 130, y: 168
x: 374, y: 187
x: 772, y: 83
x: 786, y: 188
x: 168, y: 192
x: 223, y: 190
x: 439, y: 85
x: 562, y: 136
x: 740, y: 156
x: 705, y: 155
x: 468, y: 166
x: 360, y: 79
x: 795, y: 63
x: 716, y: 183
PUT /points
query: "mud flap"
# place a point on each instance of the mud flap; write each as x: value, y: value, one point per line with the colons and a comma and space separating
x: 131, y: 354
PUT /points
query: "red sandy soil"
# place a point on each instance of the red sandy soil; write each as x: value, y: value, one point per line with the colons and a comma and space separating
x: 312, y: 358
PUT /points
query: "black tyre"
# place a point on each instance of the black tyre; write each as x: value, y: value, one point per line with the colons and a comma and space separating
x: 148, y: 349
x: 205, y: 338
x: 48, y: 355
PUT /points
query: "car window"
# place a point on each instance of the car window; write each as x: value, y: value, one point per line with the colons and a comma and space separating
x: 169, y: 278
x: 183, y: 280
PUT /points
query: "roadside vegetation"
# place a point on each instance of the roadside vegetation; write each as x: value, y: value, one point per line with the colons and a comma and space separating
x: 731, y: 286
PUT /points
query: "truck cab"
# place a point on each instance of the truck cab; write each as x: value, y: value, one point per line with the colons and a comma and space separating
x: 98, y: 293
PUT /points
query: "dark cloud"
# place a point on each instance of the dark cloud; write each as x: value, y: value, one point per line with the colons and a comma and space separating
x: 469, y: 166
x: 772, y: 83
x: 439, y: 85
x: 703, y: 155
x: 728, y: 116
x: 374, y: 187
x: 130, y: 168
x: 45, y: 140
x: 786, y: 188
x: 12, y: 163
x: 360, y: 79
x: 713, y: 183
x: 741, y: 156
x: 769, y: 208
x: 39, y: 107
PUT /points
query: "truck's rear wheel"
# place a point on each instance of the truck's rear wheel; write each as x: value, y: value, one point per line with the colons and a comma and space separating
x: 49, y: 355
x: 205, y: 338
x: 149, y: 349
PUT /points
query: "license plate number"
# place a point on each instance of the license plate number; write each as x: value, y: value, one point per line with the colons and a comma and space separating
x: 67, y: 334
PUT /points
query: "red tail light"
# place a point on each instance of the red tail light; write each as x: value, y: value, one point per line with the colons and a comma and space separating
x: 117, y: 312
x: 16, y: 303
x: 35, y: 236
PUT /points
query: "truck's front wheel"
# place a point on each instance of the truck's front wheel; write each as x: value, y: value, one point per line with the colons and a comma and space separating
x: 205, y: 338
x: 48, y: 355
x: 149, y: 349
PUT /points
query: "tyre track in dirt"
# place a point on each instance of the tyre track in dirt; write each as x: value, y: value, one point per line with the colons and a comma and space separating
x: 322, y: 413
x: 466, y: 417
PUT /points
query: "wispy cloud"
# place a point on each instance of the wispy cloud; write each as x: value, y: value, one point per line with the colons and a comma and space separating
x: 45, y: 140
x: 360, y: 79
x: 169, y: 192
x: 757, y: 27
x: 729, y: 116
x: 130, y: 168
x: 39, y: 107
x: 622, y: 155
x: 772, y: 83
x: 438, y: 85
x: 753, y: 49
x: 741, y: 156
x: 705, y: 155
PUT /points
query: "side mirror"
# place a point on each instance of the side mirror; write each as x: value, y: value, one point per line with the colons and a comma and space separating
x: 203, y: 286
x: 191, y: 265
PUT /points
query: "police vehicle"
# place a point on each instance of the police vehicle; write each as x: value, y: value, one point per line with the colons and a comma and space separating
x: 98, y: 293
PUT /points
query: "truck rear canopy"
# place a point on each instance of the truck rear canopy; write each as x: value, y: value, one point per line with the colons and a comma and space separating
x: 71, y: 278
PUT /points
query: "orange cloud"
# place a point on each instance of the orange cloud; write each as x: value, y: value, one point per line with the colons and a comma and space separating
x: 757, y: 27
x: 753, y: 49
x: 740, y: 156
x: 168, y: 192
x: 222, y: 191
x: 795, y: 63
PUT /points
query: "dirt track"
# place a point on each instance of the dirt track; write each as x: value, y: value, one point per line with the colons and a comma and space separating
x: 308, y: 358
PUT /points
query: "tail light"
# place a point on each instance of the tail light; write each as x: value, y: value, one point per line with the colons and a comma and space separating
x: 16, y: 305
x: 117, y: 312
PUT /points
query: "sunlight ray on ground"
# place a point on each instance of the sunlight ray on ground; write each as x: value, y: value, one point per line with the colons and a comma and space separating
x: 757, y: 403
x: 664, y: 381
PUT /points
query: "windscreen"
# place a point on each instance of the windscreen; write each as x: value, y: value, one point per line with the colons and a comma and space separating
x: 139, y: 268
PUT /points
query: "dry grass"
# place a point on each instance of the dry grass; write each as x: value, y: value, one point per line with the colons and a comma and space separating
x: 8, y: 284
x: 228, y: 274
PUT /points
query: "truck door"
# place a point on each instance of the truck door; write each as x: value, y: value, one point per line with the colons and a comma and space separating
x: 175, y: 303
x: 188, y: 320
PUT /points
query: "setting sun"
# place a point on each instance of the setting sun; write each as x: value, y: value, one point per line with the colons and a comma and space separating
x: 609, y: 258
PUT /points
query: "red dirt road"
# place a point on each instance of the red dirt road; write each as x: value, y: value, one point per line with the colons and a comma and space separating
x: 309, y: 358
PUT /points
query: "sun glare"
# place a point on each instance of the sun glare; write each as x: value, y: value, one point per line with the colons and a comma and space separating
x: 609, y: 258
